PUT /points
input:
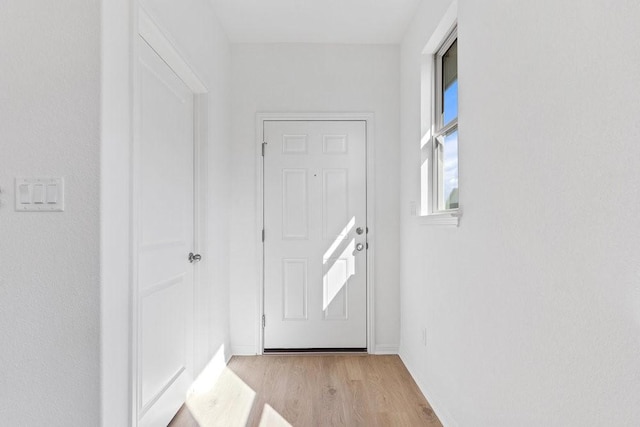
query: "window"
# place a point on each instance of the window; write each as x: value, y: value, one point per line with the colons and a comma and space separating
x: 445, y: 135
x: 440, y: 141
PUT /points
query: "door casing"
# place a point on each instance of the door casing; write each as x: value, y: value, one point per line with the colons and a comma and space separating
x: 368, y: 118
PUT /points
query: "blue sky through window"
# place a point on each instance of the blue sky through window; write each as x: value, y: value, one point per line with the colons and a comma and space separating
x: 450, y: 173
x: 451, y: 102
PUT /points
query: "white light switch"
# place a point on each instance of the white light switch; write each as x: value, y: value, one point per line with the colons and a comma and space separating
x: 52, y: 193
x: 24, y: 194
x: 39, y: 194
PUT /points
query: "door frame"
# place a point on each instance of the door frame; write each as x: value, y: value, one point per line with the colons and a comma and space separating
x: 368, y: 118
x: 147, y: 30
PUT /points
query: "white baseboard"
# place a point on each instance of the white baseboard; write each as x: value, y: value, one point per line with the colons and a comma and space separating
x: 243, y: 350
x: 228, y: 354
x: 386, y: 349
x: 443, y: 415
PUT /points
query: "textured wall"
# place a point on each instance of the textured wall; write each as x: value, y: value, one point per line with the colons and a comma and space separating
x: 49, y: 288
x: 532, y: 305
x: 313, y: 78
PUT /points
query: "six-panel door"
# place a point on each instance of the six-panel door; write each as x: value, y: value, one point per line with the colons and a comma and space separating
x: 315, y: 260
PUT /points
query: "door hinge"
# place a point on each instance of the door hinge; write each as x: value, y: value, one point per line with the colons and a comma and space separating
x: 263, y: 147
x: 264, y: 321
x: 263, y: 234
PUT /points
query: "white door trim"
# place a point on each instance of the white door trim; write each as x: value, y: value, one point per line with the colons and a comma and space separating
x: 370, y: 179
x: 155, y: 37
x: 146, y: 29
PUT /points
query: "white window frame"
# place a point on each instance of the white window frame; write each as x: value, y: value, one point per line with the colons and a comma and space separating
x: 440, y: 129
x: 434, y: 130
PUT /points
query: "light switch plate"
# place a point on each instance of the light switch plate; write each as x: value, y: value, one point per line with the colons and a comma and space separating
x: 39, y: 194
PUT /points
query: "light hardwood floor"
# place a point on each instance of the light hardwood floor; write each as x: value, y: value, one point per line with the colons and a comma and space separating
x: 310, y: 390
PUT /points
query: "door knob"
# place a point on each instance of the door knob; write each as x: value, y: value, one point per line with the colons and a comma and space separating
x: 194, y: 257
x: 359, y: 247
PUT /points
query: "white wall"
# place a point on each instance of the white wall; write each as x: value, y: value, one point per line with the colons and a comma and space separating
x: 192, y: 28
x: 313, y: 78
x: 532, y: 305
x: 49, y: 269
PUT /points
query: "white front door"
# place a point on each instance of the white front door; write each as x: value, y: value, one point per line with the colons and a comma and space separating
x: 315, y: 235
x: 163, y: 239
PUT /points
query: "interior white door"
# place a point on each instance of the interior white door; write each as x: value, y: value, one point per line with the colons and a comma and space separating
x: 315, y: 260
x: 164, y: 237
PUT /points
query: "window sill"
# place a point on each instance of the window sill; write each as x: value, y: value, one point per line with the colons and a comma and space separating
x: 450, y: 218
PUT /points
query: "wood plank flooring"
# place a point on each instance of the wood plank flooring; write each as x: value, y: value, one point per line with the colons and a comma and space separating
x: 310, y: 390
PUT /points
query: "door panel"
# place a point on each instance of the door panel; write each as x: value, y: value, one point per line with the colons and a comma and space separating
x: 314, y: 200
x: 164, y: 230
x: 294, y: 282
x: 335, y: 202
x: 161, y: 362
x: 295, y: 201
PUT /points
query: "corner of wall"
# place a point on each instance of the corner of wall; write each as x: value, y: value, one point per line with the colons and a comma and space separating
x: 440, y: 410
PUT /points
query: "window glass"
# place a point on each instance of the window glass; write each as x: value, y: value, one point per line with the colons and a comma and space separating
x: 450, y: 84
x: 450, y: 170
x: 450, y: 102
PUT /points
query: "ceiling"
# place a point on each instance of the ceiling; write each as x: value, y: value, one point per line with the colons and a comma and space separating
x: 315, y: 21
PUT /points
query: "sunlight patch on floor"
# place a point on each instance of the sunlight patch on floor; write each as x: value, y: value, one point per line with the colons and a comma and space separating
x: 228, y: 402
x: 219, y: 397
x: 271, y: 418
